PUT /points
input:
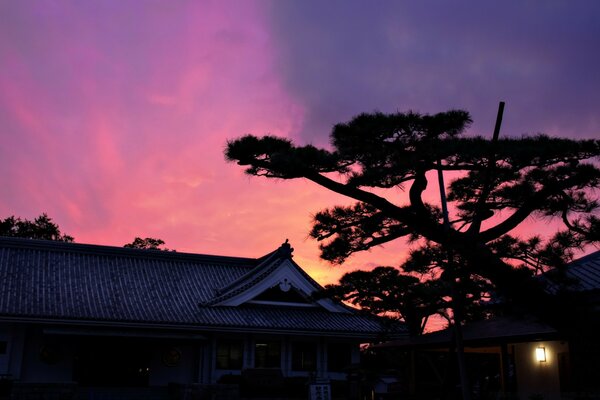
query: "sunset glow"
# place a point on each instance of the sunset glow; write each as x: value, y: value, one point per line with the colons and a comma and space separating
x: 114, y: 114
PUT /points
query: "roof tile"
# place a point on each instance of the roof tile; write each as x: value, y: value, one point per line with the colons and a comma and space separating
x: 66, y: 281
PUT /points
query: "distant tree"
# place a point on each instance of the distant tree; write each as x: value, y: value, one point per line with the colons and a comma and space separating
x: 411, y: 297
x: 41, y: 228
x: 499, y: 185
x: 147, y: 243
x: 386, y: 291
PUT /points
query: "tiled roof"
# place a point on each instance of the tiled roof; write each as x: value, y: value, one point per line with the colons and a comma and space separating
x: 75, y: 282
x: 265, y: 266
x: 586, y: 271
x: 495, y: 330
x: 582, y: 275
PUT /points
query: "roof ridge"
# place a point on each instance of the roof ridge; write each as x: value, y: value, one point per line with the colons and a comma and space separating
x: 267, y: 264
x: 268, y: 258
x: 51, y: 245
x: 66, y: 283
x: 238, y: 286
x: 256, y: 270
x: 584, y: 259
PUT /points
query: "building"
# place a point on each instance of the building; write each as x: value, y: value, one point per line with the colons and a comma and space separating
x: 516, y: 355
x: 504, y: 356
x: 77, y: 317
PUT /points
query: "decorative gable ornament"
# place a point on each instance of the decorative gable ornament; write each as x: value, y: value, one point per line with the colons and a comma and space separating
x: 285, y: 285
x: 276, y: 270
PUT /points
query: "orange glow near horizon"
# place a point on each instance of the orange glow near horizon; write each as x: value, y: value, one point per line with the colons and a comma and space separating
x: 114, y: 115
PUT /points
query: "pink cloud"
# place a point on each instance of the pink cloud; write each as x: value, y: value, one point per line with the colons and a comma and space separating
x: 114, y: 117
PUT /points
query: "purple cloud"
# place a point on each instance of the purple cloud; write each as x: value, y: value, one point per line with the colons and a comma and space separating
x: 341, y: 58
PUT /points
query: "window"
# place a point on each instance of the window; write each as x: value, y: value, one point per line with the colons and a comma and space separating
x: 339, y: 356
x: 267, y: 354
x: 230, y: 354
x: 3, y: 347
x: 304, y: 356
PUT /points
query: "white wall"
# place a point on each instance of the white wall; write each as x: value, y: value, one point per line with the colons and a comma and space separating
x: 535, y: 377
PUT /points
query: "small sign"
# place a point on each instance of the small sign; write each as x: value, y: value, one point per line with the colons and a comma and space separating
x: 320, y: 392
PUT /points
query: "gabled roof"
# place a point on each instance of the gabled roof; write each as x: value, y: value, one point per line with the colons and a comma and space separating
x: 275, y: 270
x: 265, y: 265
x: 55, y: 281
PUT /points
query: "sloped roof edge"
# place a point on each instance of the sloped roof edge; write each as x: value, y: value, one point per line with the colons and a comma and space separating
x: 55, y: 281
x: 266, y: 266
x: 50, y: 245
x: 493, y: 331
x: 582, y: 274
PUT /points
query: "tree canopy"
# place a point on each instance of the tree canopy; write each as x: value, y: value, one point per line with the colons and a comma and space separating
x: 386, y: 291
x: 414, y: 292
x: 386, y: 161
x: 147, y: 243
x: 42, y: 227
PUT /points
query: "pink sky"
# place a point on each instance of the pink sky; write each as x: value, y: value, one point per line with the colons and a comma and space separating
x: 114, y: 115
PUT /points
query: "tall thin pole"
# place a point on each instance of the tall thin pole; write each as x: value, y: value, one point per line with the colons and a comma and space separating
x: 498, y: 121
x: 488, y: 176
x: 457, y: 312
x: 443, y: 195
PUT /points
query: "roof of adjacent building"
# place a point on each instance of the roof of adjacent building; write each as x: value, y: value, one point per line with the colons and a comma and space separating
x: 581, y: 275
x: 57, y: 281
x: 509, y: 329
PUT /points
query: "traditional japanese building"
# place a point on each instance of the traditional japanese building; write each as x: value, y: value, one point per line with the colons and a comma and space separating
x: 518, y: 354
x: 75, y: 316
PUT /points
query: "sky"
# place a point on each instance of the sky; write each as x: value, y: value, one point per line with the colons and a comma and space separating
x: 114, y: 114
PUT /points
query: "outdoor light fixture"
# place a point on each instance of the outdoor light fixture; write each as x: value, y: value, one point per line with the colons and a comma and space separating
x: 540, y: 354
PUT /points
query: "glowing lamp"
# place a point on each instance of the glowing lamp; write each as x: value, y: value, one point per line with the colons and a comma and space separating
x: 540, y: 354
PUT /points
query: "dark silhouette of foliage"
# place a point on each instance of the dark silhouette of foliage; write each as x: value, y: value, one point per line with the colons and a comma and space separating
x: 147, y: 243
x: 416, y: 290
x: 386, y: 291
x: 42, y: 227
x: 500, y: 185
x: 465, y: 293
